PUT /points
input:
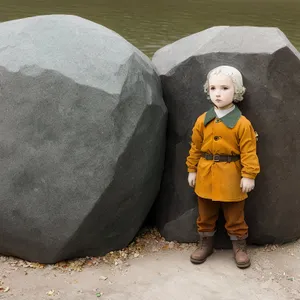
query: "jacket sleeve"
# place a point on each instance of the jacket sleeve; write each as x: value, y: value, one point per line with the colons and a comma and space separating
x: 196, y: 144
x: 249, y: 159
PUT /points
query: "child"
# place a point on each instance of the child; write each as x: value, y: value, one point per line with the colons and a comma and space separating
x: 222, y: 164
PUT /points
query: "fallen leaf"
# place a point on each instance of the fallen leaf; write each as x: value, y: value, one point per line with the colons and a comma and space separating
x: 51, y: 293
x: 103, y: 277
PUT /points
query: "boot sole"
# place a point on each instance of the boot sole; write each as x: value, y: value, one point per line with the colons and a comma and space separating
x: 197, y: 261
x: 244, y: 266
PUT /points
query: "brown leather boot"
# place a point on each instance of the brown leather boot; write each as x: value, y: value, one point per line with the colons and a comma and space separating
x: 241, y: 257
x: 204, y: 250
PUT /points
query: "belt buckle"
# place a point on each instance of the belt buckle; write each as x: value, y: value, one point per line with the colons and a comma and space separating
x: 216, y: 158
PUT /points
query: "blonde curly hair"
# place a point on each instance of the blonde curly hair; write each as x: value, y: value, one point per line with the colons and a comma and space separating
x: 236, y: 77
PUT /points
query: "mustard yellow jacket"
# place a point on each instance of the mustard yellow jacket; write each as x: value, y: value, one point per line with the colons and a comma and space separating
x: 231, y: 135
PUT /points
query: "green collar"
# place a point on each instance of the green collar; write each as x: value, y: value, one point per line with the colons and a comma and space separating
x: 229, y: 120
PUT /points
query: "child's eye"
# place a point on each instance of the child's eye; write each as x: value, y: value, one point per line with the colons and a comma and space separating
x: 212, y: 87
x: 225, y: 88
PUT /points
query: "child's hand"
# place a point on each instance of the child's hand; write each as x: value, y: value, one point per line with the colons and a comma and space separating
x: 192, y: 179
x: 247, y: 184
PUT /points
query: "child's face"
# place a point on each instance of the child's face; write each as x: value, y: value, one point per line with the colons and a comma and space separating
x: 221, y: 90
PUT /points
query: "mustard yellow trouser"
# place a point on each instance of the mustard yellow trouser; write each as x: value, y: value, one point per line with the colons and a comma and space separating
x: 234, y: 215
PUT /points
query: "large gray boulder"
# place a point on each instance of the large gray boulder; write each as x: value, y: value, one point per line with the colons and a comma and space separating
x: 82, y: 134
x: 271, y: 69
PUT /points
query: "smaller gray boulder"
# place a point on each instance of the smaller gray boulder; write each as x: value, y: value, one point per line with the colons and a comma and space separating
x: 270, y: 65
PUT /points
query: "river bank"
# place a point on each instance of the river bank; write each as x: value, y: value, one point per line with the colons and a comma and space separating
x: 151, y: 268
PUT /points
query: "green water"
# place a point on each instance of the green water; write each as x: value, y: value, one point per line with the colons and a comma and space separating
x: 149, y: 25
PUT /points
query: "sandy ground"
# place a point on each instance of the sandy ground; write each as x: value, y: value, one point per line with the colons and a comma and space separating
x: 153, y: 269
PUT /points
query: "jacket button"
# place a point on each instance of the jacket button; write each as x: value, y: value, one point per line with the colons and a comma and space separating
x: 216, y: 138
x: 218, y: 120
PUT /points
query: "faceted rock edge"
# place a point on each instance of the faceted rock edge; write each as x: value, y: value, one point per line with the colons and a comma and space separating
x: 82, y: 138
x: 271, y: 70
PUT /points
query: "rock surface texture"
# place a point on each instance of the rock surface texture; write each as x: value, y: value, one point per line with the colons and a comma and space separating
x: 271, y: 69
x: 82, y: 138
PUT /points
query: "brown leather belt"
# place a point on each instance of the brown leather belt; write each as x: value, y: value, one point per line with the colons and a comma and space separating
x: 220, y: 158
